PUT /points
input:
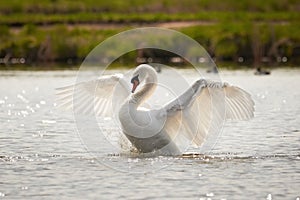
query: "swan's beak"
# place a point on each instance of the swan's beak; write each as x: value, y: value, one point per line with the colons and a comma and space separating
x: 135, y: 84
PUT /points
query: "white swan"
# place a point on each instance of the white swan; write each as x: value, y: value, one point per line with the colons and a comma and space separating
x: 165, y: 131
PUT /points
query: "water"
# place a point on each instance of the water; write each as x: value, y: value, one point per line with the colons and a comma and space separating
x: 41, y: 154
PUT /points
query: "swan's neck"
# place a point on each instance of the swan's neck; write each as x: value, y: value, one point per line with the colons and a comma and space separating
x: 147, y: 90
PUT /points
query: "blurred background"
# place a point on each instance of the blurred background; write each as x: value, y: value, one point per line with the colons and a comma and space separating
x: 52, y: 34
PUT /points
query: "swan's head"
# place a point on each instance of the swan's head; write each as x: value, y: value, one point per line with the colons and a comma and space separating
x: 142, y: 72
x: 135, y: 82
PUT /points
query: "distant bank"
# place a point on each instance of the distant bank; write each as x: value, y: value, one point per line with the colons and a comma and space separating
x: 247, y: 33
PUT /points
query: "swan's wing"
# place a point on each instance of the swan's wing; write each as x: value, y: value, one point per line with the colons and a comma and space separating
x: 95, y: 96
x: 203, y: 108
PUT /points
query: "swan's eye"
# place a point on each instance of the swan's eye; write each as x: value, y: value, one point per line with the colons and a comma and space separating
x: 136, y: 78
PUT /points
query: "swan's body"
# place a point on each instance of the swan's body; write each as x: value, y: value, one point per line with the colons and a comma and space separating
x: 145, y: 128
x: 187, y: 119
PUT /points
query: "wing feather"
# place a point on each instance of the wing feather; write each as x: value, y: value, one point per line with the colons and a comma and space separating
x: 95, y: 96
x: 202, y: 109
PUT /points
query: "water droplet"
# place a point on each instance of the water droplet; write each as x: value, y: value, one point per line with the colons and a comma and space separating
x: 2, y: 194
x: 22, y: 98
x: 42, y: 102
x: 30, y: 108
x: 269, y: 197
x: 24, y: 113
x: 23, y: 91
x: 22, y: 125
x: 48, y: 121
x: 24, y: 188
x: 2, y: 101
x: 210, y: 194
x: 38, y: 134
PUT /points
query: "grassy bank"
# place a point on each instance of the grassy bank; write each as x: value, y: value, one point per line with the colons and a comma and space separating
x: 249, y: 32
x: 19, y: 19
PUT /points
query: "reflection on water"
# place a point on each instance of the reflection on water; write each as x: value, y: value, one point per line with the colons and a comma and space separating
x: 42, y: 156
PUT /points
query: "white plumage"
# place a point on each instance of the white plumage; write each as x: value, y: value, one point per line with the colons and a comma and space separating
x: 188, y: 119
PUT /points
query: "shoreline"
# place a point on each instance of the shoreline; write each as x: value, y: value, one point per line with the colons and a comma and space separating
x: 63, y: 67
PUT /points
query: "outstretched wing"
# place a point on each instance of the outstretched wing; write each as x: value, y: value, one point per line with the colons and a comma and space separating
x: 101, y: 96
x: 202, y: 109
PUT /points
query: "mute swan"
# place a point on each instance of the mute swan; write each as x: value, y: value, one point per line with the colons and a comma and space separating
x: 187, y: 119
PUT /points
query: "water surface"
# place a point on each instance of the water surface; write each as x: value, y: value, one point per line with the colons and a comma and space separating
x: 42, y: 155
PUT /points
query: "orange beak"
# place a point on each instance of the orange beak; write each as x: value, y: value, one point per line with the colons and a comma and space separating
x: 135, y: 84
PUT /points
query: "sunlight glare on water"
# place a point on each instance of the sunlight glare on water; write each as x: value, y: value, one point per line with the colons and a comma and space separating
x: 42, y: 156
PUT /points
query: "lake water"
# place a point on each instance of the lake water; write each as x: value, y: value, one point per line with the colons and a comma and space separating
x: 42, y: 156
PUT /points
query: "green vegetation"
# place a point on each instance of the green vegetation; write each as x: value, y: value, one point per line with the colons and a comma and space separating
x: 246, y: 32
